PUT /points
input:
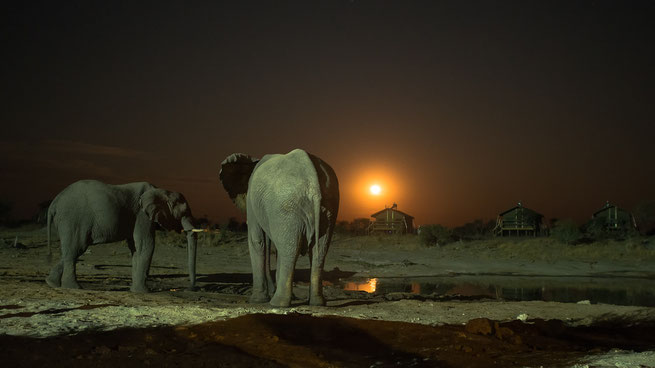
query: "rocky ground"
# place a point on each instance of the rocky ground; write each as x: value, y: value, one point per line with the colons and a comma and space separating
x: 458, y: 319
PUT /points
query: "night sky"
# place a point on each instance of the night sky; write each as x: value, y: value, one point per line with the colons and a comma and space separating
x: 457, y: 109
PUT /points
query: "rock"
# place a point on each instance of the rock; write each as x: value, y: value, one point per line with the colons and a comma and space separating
x: 502, y: 332
x: 479, y: 326
x: 506, y: 334
x: 102, y: 350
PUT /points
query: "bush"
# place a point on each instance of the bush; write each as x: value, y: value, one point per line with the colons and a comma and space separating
x: 431, y: 235
x: 475, y: 230
x: 5, y: 212
x: 358, y: 226
x: 41, y: 217
x: 644, y: 214
x: 342, y: 227
x: 598, y: 229
x: 566, y: 231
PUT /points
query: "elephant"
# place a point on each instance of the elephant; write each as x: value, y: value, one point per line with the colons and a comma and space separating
x: 291, y: 200
x: 90, y: 212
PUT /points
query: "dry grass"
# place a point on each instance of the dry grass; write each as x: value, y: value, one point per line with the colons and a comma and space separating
x: 206, y: 239
x: 548, y: 249
x: 638, y: 249
x: 544, y: 249
x: 378, y: 242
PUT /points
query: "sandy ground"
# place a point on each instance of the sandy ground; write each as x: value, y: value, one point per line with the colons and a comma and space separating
x: 410, y: 327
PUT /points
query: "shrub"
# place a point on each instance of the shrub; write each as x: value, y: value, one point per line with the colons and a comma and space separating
x: 431, y: 235
x: 566, y: 231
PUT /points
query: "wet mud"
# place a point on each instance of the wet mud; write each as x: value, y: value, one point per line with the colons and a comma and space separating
x: 296, y: 340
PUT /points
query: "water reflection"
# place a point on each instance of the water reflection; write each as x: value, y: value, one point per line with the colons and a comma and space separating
x: 621, y: 291
x: 368, y: 286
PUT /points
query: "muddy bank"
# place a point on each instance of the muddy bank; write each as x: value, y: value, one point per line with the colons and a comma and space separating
x: 297, y: 340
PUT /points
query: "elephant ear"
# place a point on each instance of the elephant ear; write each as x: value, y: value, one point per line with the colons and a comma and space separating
x: 234, y: 174
x: 157, y: 205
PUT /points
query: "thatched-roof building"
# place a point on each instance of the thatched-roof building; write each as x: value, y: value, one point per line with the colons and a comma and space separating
x: 519, y: 221
x: 392, y: 221
x: 613, y: 218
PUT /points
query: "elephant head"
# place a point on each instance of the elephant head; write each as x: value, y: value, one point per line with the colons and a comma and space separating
x: 234, y: 174
x: 172, y: 212
x: 168, y: 209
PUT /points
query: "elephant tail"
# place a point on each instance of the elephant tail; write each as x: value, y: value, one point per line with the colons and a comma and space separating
x: 49, y: 221
x: 317, y: 218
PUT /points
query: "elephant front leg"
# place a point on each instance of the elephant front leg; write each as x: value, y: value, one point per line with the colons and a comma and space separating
x: 141, y: 259
x: 257, y: 248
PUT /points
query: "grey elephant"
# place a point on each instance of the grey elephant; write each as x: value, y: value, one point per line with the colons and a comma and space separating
x: 90, y: 212
x: 292, y: 200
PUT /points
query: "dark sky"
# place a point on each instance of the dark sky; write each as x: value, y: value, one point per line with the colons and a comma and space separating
x: 458, y: 109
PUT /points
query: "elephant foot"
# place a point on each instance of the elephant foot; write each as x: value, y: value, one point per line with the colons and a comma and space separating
x: 271, y: 291
x: 280, y: 302
x: 70, y: 285
x: 258, y: 298
x: 53, y: 282
x: 139, y: 289
x: 317, y: 300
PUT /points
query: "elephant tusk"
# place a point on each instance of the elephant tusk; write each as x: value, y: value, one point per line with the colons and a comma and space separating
x: 198, y: 230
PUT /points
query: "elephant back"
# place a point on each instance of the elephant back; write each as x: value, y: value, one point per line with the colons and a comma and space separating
x: 328, y: 182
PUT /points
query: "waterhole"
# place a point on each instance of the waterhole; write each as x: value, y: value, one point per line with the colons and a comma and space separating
x: 607, y: 290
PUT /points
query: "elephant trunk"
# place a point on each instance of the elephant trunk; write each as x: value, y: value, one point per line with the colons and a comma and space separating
x: 192, y: 243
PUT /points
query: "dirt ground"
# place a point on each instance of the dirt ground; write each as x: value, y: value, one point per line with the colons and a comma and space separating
x: 366, y: 323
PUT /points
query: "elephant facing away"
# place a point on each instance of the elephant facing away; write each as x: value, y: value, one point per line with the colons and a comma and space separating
x: 292, y: 200
x: 90, y: 212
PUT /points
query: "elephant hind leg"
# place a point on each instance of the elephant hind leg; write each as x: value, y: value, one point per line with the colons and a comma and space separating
x: 269, y: 279
x: 288, y: 246
x: 257, y: 245
x: 54, y: 278
x: 71, y: 251
x: 317, y: 261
